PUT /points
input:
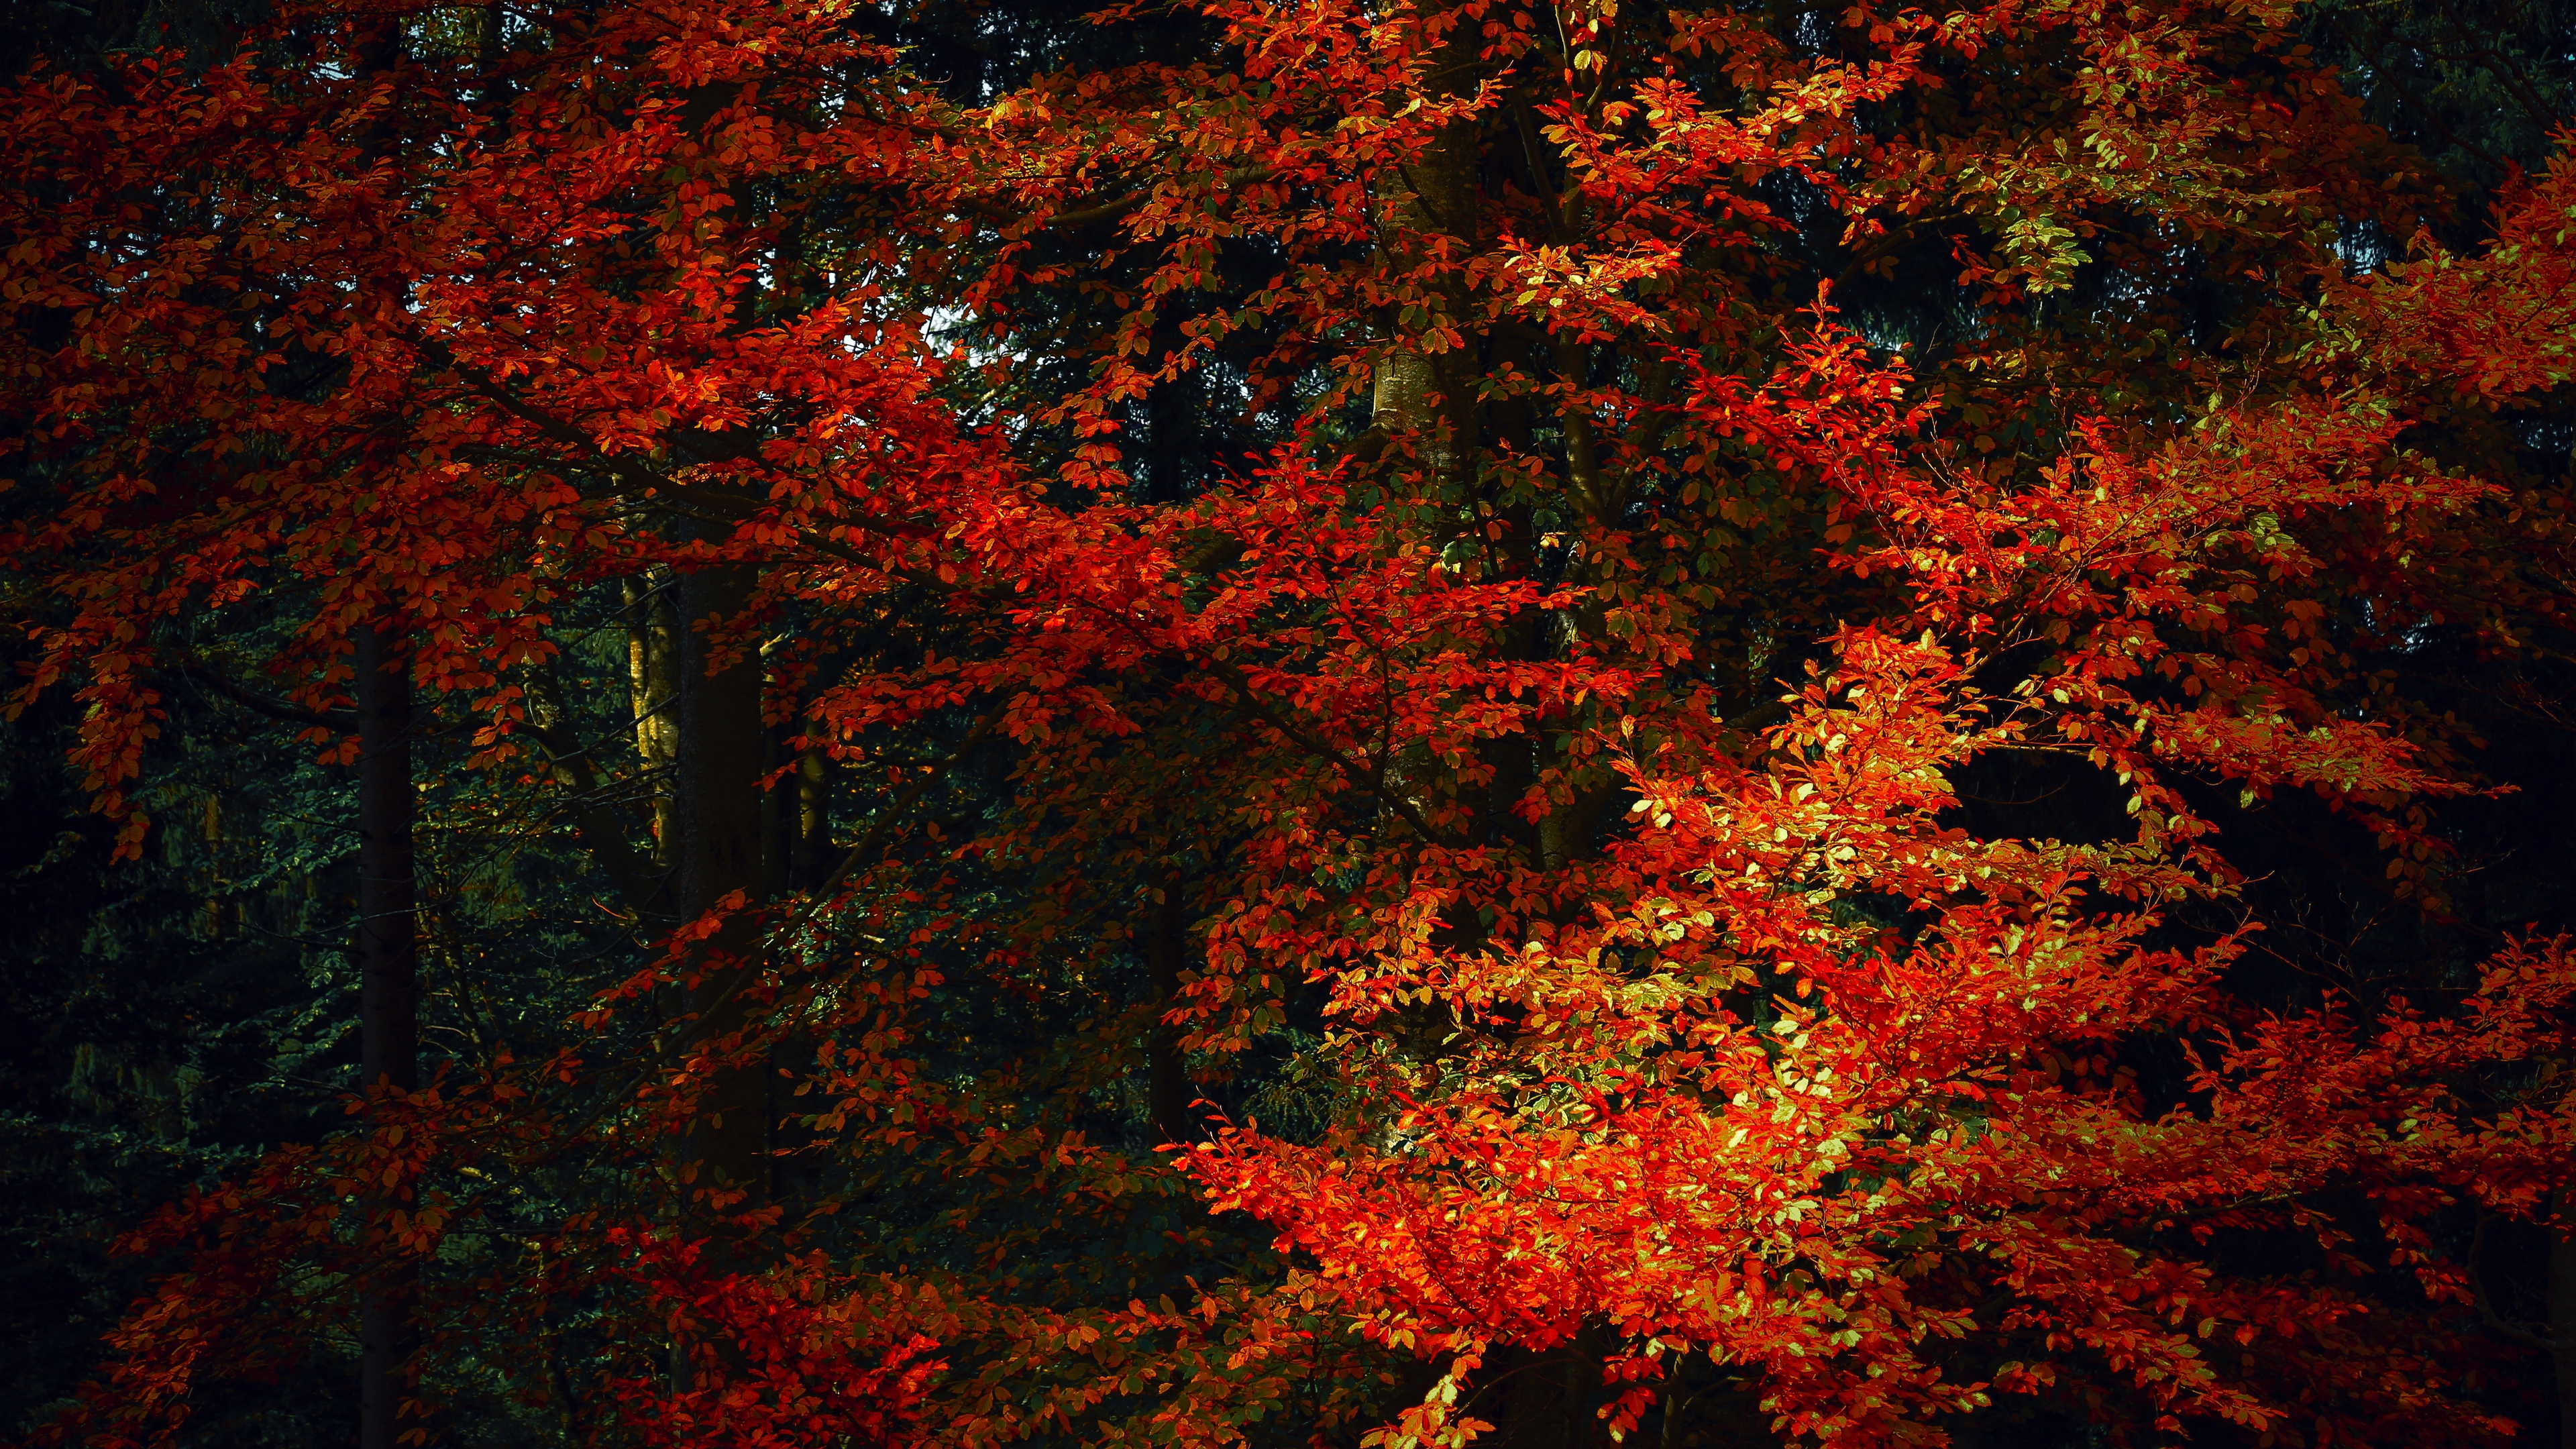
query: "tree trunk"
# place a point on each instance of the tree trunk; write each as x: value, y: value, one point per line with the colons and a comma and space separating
x: 388, y: 1003
x: 716, y: 799
x: 1426, y: 395
x: 388, y: 948
x: 1418, y: 395
x: 777, y: 824
x: 1537, y: 1400
x: 813, y: 820
x: 1541, y: 1400
x: 650, y: 648
x: 643, y: 888
x: 2562, y: 1315
x: 1167, y: 1082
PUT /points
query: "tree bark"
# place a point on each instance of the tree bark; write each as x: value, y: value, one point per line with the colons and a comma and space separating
x: 1417, y: 393
x: 650, y: 647
x: 813, y: 820
x: 1538, y: 1400
x: 717, y: 805
x: 1167, y: 1081
x: 388, y: 1003
x: 2562, y: 1315
x: 388, y: 936
x: 640, y: 885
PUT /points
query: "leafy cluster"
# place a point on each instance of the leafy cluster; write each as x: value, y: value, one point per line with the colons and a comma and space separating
x: 1340, y: 723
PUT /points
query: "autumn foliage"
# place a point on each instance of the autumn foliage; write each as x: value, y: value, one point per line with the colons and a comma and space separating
x: 1690, y: 465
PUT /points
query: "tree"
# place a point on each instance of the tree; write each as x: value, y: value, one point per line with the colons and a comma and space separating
x: 1694, y: 456
x: 237, y: 500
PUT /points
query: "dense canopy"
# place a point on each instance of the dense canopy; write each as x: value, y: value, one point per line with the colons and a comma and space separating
x: 780, y: 723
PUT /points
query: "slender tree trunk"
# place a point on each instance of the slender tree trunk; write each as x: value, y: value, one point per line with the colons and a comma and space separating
x: 388, y: 1000
x: 2562, y: 1315
x: 813, y: 820
x: 717, y: 805
x: 1167, y: 1082
x: 388, y: 927
x: 650, y: 651
x: 640, y: 882
x: 1432, y: 395
x: 1419, y: 394
x: 1672, y: 1401
x: 777, y: 824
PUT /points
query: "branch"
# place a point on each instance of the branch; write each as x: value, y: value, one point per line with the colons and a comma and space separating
x: 902, y: 804
x: 640, y: 480
x: 601, y: 832
x: 1116, y: 206
x: 691, y: 1033
x: 640, y: 477
x: 1371, y: 779
x: 282, y: 710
